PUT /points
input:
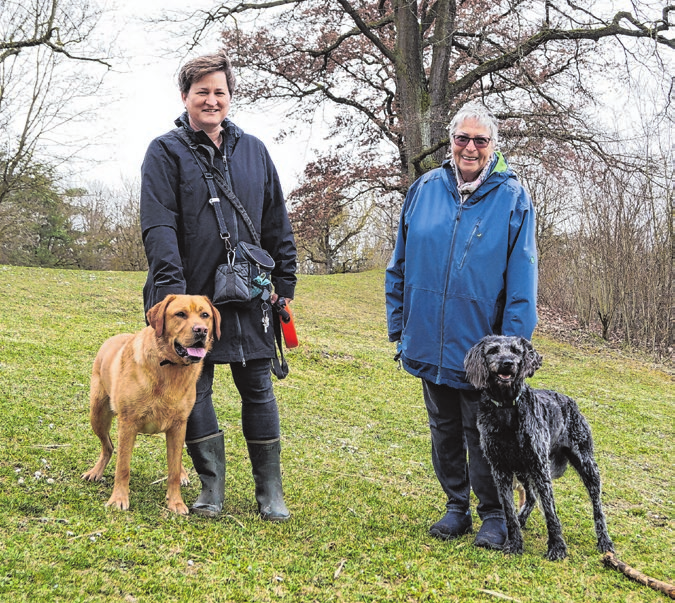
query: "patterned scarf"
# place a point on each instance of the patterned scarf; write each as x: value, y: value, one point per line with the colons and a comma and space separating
x: 467, y: 188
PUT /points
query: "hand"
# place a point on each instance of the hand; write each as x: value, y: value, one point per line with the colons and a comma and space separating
x: 274, y: 297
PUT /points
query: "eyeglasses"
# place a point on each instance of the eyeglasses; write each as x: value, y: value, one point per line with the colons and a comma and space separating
x: 480, y: 141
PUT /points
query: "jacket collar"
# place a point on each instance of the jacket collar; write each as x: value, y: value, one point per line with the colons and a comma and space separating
x: 230, y: 131
x: 499, y: 172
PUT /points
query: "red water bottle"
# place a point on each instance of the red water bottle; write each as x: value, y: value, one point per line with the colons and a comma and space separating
x: 287, y: 324
x: 288, y: 330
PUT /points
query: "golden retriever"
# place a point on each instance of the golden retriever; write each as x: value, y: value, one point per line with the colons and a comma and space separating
x: 148, y: 380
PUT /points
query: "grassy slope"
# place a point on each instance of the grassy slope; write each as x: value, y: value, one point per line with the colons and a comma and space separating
x: 356, y: 462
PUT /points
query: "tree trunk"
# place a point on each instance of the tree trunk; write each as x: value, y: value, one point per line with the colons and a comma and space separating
x: 413, y: 96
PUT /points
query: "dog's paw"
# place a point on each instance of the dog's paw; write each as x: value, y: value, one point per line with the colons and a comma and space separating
x: 184, y: 479
x: 91, y: 476
x: 557, y: 552
x: 118, y: 501
x: 178, y: 507
x: 513, y: 547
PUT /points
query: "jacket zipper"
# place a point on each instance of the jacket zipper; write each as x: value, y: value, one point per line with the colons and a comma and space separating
x: 468, y: 245
x: 447, y: 280
x: 240, y: 338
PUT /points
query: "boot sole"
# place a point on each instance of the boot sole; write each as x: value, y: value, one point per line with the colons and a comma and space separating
x: 205, y: 512
x: 435, y: 533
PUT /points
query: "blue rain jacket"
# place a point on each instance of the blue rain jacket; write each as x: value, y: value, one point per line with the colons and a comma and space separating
x: 461, y: 271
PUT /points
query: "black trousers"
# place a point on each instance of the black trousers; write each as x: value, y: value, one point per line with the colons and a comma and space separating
x: 259, y: 410
x: 452, y: 420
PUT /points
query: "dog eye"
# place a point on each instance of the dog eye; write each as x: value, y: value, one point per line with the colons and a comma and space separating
x: 205, y: 314
x: 493, y: 350
x: 181, y: 314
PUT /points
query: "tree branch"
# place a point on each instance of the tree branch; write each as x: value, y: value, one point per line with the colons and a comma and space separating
x: 365, y: 30
x: 509, y: 59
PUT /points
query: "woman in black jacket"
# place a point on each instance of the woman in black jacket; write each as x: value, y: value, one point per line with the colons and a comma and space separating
x: 184, y: 247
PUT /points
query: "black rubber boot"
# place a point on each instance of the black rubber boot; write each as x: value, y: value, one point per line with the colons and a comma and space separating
x: 452, y: 525
x: 266, y: 464
x: 208, y: 458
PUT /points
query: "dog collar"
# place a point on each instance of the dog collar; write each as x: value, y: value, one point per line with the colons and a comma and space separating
x: 513, y: 403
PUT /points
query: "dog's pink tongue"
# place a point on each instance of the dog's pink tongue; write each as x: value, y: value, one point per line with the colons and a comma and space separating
x: 197, y: 352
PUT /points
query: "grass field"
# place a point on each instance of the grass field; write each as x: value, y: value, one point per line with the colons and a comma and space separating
x: 356, y: 462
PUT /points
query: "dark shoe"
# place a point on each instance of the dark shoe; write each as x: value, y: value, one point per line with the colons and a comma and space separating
x: 208, y: 458
x: 452, y: 525
x: 492, y: 534
x: 266, y: 465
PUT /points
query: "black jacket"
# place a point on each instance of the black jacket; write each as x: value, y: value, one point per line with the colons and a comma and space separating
x: 181, y: 236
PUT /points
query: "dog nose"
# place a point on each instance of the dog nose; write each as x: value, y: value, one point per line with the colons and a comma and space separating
x: 200, y: 330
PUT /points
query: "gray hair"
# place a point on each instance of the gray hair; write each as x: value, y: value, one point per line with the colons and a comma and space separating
x: 479, y: 112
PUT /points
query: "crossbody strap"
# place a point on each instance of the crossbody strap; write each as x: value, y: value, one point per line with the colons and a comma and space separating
x: 215, y: 199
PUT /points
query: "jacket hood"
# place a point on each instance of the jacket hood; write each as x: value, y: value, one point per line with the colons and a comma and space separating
x: 231, y: 132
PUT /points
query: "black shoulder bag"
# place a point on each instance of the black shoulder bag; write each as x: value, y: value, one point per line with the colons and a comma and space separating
x: 245, y: 276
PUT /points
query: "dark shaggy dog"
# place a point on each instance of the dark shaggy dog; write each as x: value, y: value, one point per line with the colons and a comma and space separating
x: 532, y: 434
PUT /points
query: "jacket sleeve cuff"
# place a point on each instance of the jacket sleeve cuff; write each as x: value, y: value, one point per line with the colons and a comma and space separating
x: 162, y: 292
x: 284, y: 288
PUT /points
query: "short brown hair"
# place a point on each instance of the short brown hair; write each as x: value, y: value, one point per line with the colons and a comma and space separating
x: 195, y: 69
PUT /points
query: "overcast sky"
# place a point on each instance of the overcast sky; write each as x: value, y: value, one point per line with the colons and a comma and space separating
x: 142, y: 99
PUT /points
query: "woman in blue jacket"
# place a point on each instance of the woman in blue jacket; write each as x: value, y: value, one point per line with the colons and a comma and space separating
x: 464, y: 266
x: 184, y: 247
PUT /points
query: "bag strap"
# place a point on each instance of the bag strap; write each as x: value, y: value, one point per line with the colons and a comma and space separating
x: 224, y: 186
x: 279, y: 367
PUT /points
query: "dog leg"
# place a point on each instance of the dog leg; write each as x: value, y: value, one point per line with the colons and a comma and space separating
x: 101, y: 417
x: 530, y: 500
x: 125, y: 445
x: 557, y: 549
x: 514, y: 539
x: 588, y: 470
x: 175, y: 438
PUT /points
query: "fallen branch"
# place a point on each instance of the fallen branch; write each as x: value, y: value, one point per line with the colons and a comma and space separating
x: 610, y: 560
x: 339, y: 569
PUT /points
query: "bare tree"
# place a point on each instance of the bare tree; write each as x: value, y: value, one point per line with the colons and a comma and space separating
x: 43, y: 46
x: 608, y: 261
x: 62, y: 26
x: 127, y: 245
x: 393, y: 70
x: 107, y: 221
x: 345, y: 212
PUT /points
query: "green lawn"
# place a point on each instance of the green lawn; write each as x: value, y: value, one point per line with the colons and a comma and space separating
x: 356, y: 461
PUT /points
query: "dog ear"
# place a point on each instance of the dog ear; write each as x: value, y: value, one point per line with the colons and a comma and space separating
x: 155, y: 315
x: 532, y: 360
x: 216, y: 317
x: 474, y: 364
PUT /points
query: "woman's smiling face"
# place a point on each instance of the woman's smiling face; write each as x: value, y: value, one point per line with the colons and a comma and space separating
x: 208, y: 102
x: 469, y: 160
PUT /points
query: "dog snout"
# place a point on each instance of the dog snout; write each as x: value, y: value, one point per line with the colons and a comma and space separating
x: 200, y: 331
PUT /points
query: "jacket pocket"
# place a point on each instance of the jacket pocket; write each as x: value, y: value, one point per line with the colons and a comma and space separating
x: 475, y: 234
